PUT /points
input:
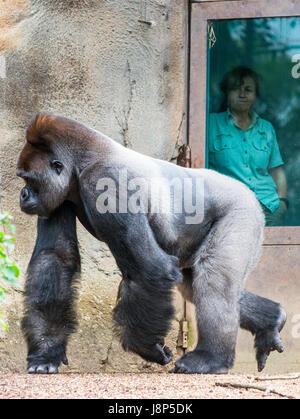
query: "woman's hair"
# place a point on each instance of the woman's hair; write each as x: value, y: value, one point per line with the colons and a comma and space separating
x: 233, y: 79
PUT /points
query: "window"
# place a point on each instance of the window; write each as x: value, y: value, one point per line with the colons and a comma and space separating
x: 253, y: 109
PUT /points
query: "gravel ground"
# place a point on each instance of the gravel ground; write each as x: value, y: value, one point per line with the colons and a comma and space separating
x: 140, y: 386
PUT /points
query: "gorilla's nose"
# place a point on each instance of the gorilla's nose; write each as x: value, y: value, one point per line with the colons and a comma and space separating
x: 24, y: 194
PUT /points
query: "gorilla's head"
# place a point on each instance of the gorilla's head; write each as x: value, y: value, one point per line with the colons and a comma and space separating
x: 46, y: 165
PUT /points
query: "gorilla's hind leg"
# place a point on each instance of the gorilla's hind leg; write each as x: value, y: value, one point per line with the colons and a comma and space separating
x: 217, y: 313
x: 264, y: 319
x: 217, y: 280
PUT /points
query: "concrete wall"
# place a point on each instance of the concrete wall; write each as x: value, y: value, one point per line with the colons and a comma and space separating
x: 91, y: 60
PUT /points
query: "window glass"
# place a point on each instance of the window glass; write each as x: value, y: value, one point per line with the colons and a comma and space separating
x: 253, y: 126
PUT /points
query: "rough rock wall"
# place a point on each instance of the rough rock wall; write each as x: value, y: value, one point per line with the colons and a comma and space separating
x: 94, y: 61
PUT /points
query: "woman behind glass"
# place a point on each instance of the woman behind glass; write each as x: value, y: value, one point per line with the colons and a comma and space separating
x: 244, y: 146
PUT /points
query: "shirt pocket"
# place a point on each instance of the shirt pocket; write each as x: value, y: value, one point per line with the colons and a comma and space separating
x: 222, y: 151
x: 262, y: 152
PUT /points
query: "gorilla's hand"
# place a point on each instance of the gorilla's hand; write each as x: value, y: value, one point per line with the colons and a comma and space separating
x: 41, y: 365
x: 158, y: 353
x: 162, y: 354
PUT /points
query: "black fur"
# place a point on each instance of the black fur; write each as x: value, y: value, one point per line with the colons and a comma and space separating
x: 50, y: 291
x: 143, y: 317
x: 144, y: 309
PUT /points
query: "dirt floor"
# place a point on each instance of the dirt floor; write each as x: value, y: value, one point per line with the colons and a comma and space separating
x: 145, y: 386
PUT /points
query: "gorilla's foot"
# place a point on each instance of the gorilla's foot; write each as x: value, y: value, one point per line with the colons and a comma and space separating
x: 41, y: 365
x: 200, y: 362
x: 269, y: 340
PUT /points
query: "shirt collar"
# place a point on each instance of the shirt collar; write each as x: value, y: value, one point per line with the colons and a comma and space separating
x: 255, y: 118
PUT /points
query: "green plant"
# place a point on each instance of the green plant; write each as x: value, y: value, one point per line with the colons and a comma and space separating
x: 9, y: 271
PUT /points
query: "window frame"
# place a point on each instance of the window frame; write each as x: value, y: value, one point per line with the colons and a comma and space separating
x: 202, y: 13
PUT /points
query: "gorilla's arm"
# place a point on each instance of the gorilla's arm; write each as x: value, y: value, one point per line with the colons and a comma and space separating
x: 49, y: 292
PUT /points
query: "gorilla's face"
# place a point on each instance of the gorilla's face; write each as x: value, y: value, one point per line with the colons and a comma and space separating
x: 47, y: 181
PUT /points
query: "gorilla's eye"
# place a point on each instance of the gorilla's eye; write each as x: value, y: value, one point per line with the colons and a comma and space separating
x: 57, y: 166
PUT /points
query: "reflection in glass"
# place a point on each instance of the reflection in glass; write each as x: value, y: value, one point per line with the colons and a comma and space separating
x: 254, y: 102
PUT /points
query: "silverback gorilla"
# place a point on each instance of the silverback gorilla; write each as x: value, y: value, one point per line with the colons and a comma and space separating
x: 63, y: 164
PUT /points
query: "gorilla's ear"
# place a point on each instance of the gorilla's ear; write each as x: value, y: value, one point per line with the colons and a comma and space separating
x: 39, y: 131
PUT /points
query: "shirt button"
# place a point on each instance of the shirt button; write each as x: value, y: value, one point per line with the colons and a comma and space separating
x: 246, y: 152
x: 244, y: 139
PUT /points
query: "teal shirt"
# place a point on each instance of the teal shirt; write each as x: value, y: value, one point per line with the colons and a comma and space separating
x: 245, y: 155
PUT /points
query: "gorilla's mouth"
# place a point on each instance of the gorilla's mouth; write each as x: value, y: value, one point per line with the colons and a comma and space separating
x: 28, y: 203
x: 33, y: 209
x: 29, y: 209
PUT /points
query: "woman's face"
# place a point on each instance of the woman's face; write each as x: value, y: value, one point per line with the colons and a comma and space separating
x: 242, y: 97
